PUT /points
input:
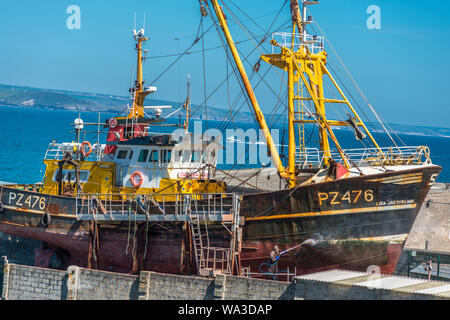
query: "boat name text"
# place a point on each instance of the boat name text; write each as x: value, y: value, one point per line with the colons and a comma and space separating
x: 30, y: 201
x: 353, y: 196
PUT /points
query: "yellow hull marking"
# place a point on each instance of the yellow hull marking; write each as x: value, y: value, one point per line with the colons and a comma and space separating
x: 63, y: 215
x: 333, y: 212
x: 398, y: 178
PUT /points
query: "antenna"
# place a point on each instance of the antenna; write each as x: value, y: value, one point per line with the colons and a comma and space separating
x: 144, y: 20
x: 135, y: 20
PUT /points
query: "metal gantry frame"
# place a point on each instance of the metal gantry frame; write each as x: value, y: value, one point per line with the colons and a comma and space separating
x: 199, y: 210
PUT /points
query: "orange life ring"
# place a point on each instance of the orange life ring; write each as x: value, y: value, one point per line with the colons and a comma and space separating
x: 86, y: 143
x: 133, y: 180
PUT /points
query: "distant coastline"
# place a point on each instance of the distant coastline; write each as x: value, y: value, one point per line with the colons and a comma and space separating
x: 50, y: 99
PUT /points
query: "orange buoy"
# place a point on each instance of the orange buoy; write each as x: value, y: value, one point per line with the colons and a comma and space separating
x: 133, y: 179
x: 86, y: 143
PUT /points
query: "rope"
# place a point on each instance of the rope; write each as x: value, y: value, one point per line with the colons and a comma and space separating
x: 129, y: 229
x: 183, y: 53
x: 356, y: 85
x: 146, y: 233
x: 262, y: 78
x: 134, y: 235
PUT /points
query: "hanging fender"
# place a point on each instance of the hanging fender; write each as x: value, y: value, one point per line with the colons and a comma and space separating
x: 133, y: 179
x: 2, y: 208
x: 45, y: 220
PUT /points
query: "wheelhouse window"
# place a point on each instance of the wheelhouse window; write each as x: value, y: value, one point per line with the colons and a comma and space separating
x: 195, y: 156
x: 166, y: 156
x: 131, y: 155
x: 154, y: 156
x: 70, y: 175
x: 186, y: 156
x: 143, y: 156
x: 122, y: 154
x: 178, y: 156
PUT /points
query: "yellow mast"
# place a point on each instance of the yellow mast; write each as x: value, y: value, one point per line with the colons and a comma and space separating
x: 310, y: 68
x: 137, y: 110
x: 258, y: 113
x: 187, y: 105
x: 303, y: 65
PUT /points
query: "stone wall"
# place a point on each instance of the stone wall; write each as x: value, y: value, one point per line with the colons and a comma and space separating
x: 158, y: 286
x: 31, y: 283
x: 236, y: 288
x: 28, y: 283
x: 85, y: 284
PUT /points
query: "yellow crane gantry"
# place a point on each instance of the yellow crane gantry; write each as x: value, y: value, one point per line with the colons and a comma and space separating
x: 307, y: 67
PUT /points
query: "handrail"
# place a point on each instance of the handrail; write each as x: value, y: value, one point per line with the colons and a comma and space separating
x: 57, y: 151
x: 313, y: 157
x: 171, y: 207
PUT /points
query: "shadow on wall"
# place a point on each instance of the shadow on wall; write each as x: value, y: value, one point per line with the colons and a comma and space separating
x: 64, y: 288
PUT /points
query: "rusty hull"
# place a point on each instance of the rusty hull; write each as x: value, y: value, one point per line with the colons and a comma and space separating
x: 349, y: 234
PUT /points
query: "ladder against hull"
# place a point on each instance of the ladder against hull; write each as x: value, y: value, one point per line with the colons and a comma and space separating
x: 212, y: 260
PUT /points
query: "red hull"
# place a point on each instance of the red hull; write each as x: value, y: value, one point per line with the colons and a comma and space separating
x: 355, y: 236
x: 166, y: 254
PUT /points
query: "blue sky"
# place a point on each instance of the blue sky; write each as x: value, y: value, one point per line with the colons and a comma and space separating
x: 401, y: 68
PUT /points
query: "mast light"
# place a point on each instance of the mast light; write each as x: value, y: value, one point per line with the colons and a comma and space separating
x: 78, y: 124
x: 150, y: 89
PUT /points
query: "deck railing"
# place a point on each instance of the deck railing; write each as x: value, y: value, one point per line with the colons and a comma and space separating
x: 157, y: 207
x: 314, y: 43
x: 57, y: 151
x: 313, y: 158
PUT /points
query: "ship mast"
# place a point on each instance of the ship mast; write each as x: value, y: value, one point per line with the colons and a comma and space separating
x: 304, y: 58
x: 254, y: 102
x: 138, y: 91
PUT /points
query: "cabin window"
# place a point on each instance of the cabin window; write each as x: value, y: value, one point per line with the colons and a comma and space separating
x: 186, y: 155
x: 143, y: 156
x: 178, y: 156
x: 84, y: 176
x: 195, y: 156
x: 131, y: 154
x: 153, y: 156
x: 166, y: 155
x: 122, y: 154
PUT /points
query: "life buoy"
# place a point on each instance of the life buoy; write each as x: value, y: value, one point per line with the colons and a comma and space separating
x: 133, y: 179
x: 86, y: 143
x: 112, y: 123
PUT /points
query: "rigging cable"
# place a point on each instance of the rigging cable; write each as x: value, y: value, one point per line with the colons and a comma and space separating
x: 204, y: 75
x: 357, y: 87
x: 183, y: 53
x: 250, y: 36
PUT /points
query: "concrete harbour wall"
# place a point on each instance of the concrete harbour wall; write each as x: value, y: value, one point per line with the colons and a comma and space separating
x: 32, y: 283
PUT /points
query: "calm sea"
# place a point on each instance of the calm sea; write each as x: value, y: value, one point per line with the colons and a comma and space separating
x: 26, y: 134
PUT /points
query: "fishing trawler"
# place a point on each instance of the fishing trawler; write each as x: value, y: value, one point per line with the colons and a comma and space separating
x: 151, y: 201
x: 352, y: 209
x: 138, y: 170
